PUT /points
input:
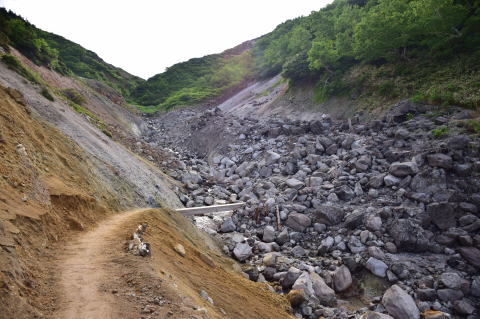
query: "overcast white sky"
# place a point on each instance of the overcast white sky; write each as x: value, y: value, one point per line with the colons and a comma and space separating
x: 145, y: 36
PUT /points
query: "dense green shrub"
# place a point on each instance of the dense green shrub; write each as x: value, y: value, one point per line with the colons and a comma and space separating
x: 46, y: 93
x: 74, y: 96
x: 197, y: 80
x: 4, y: 40
x: 440, y: 132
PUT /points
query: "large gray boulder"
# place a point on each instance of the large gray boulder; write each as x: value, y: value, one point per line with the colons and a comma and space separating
x: 330, y: 215
x: 298, y: 222
x: 429, y: 181
x: 242, y: 251
x: 324, y: 293
x: 271, y: 157
x: 442, y: 215
x: 408, y: 235
x: 458, y: 142
x: 282, y: 237
x: 440, y: 160
x: 290, y: 277
x: 316, y: 127
x: 475, y: 289
x: 268, y: 234
x: 403, y: 169
x: 373, y: 223
x: 304, y: 282
x: 449, y: 294
x: 191, y: 177
x: 294, y: 183
x: 227, y: 226
x: 391, y: 180
x: 342, y: 278
x: 376, y: 267
x: 400, y: 304
x: 451, y: 280
x: 325, y: 245
x: 471, y: 254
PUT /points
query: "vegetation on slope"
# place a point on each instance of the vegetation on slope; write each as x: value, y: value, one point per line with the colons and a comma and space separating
x: 371, y: 50
x: 381, y: 48
x: 62, y: 55
x: 197, y: 80
x: 374, y: 51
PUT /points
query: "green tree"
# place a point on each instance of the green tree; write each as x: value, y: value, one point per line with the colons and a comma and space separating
x: 382, y: 30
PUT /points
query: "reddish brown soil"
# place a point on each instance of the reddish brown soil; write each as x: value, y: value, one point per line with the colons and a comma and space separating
x: 100, y: 280
x: 46, y: 195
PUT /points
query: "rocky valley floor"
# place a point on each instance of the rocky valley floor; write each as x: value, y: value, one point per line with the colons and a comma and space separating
x: 348, y: 219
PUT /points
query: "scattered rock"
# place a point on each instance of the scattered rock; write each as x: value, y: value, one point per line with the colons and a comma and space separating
x: 294, y: 183
x: 400, y: 304
x: 375, y: 315
x: 298, y: 222
x: 242, y: 251
x: 228, y: 226
x: 376, y: 267
x: 180, y: 250
x: 471, y: 254
x: 403, y: 169
x: 268, y: 234
x: 323, y: 292
x: 329, y: 215
x: 440, y: 160
x: 342, y: 279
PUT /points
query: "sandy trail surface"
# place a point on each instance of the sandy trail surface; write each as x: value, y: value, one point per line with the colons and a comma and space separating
x: 85, y: 269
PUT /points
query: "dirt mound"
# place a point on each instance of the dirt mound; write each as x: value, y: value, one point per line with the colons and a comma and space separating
x: 101, y: 279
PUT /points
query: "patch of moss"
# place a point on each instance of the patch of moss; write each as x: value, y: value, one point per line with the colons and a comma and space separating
x: 14, y: 64
x: 92, y: 118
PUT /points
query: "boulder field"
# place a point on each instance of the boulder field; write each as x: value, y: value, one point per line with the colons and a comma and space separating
x: 382, y: 212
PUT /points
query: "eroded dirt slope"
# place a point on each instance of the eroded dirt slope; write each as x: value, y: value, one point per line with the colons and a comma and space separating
x: 120, y: 171
x: 47, y: 189
x: 101, y: 280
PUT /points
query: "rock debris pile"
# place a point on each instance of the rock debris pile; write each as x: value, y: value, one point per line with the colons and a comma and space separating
x: 137, y: 245
x: 349, y: 219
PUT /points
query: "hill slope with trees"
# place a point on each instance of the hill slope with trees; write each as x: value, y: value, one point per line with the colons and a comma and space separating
x: 60, y: 54
x: 371, y: 50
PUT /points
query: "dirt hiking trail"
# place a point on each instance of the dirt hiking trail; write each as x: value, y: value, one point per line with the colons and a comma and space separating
x: 85, y: 268
x: 99, y: 279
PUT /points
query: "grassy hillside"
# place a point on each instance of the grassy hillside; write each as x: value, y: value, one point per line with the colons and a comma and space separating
x: 60, y: 54
x: 373, y: 51
x: 197, y: 80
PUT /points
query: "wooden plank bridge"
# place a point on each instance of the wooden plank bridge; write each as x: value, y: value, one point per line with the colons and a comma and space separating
x: 207, y: 210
